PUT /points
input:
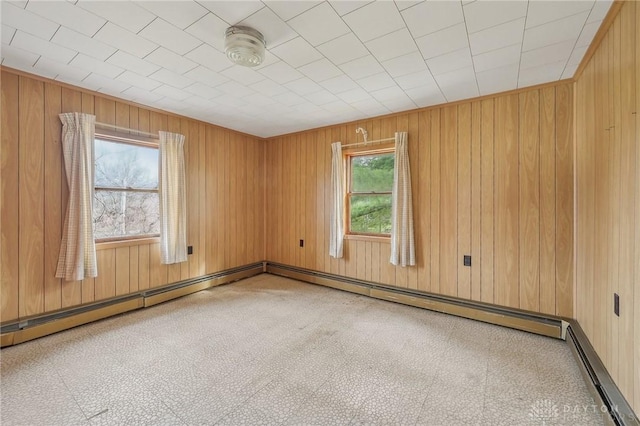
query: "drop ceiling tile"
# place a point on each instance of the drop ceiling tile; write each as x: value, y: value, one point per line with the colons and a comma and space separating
x: 18, y: 58
x: 429, y: 17
x: 142, y: 96
x: 7, y: 34
x: 235, y: 90
x: 343, y: 7
x: 320, y: 70
x: 406, y: 64
x: 354, y: 95
x: 588, y: 32
x: 170, y: 104
x: 203, y: 90
x: 303, y: 86
x: 542, y: 74
x: 424, y: 96
x: 374, y: 20
x: 268, y: 87
x: 392, y: 45
x: 274, y: 29
x: 281, y: 72
x: 139, y: 81
x: 18, y: 3
x: 370, y: 107
x: 169, y: 77
x: 376, y: 82
x: 362, y: 67
x: 404, y: 4
x: 93, y: 65
x: 343, y: 49
x: 497, y: 58
x: 166, y: 35
x: 289, y: 99
x: 450, y: 61
x: 27, y: 21
x: 209, y: 57
x: 339, y: 84
x: 319, y: 24
x: 132, y: 63
x: 258, y: 99
x: 210, y: 29
x: 171, y: 61
x: 171, y: 92
x: 321, y: 97
x: 242, y: 74
x: 400, y: 104
x: 67, y: 14
x: 546, y: 55
x: 599, y: 10
x: 498, y: 79
x: 82, y: 43
x: 206, y: 76
x: 554, y: 32
x: 198, y: 102
x: 123, y: 13
x: 418, y: 79
x: 481, y: 15
x: 542, y: 12
x: 99, y: 83
x: 296, y: 52
x: 459, y: 84
x: 233, y: 12
x: 576, y: 55
x: 570, y: 70
x: 122, y: 39
x: 388, y: 94
x: 497, y: 37
x: 443, y: 41
x: 42, y: 47
x: 290, y: 9
x: 179, y: 13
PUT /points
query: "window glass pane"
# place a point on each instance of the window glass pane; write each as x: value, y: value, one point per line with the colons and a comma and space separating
x: 372, y: 173
x: 122, y: 165
x: 125, y: 214
x: 371, y: 214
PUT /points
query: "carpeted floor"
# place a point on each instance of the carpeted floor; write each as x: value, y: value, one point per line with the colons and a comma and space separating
x: 269, y: 350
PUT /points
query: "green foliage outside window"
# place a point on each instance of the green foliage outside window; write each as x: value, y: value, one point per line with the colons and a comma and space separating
x: 371, y: 185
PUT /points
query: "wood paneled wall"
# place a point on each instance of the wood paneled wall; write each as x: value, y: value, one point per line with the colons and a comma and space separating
x: 225, y: 200
x: 492, y: 178
x: 608, y: 200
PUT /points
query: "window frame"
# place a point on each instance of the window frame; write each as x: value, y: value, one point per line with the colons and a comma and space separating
x: 348, y: 154
x: 128, y: 139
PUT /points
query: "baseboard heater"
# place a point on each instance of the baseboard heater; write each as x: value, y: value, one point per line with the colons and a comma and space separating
x: 599, y: 382
x: 42, y: 325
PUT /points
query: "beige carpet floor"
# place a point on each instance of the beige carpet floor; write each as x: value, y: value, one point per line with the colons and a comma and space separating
x: 269, y: 350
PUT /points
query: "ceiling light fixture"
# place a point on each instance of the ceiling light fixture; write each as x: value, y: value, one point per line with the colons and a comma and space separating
x: 244, y: 46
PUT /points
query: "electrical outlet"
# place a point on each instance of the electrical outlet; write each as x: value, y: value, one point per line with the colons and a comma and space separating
x: 466, y: 260
x: 616, y: 304
x: 301, y: 243
x: 189, y: 249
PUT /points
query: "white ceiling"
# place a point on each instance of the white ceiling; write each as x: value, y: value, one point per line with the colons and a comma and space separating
x: 326, y: 63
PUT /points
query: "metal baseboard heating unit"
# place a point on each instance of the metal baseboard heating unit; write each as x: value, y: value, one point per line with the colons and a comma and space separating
x: 43, y: 325
x: 609, y: 399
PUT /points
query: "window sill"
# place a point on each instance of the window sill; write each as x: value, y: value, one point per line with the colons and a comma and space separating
x: 105, y: 245
x: 370, y: 238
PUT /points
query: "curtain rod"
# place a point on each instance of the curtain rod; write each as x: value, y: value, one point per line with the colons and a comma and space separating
x: 369, y: 142
x: 126, y: 129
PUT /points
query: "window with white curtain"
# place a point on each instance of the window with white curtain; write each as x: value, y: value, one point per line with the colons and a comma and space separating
x: 126, y: 201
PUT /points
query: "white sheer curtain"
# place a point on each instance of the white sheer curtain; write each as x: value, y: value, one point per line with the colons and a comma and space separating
x: 336, y: 229
x: 77, y: 258
x: 173, y: 201
x: 402, y: 243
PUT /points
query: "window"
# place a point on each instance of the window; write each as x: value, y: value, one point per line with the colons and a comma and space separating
x: 369, y: 186
x: 126, y: 201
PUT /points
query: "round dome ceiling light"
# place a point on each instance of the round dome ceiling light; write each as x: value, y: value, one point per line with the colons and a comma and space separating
x: 244, y: 46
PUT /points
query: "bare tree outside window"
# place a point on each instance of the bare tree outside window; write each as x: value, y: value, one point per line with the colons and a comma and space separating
x: 126, y: 190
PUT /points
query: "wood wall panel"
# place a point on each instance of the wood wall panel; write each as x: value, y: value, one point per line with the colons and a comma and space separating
x: 607, y: 178
x: 466, y: 162
x: 34, y: 199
